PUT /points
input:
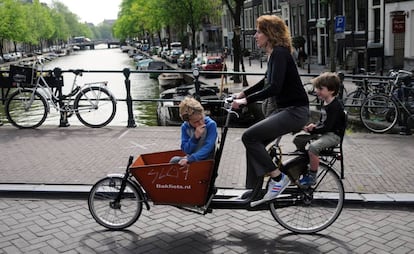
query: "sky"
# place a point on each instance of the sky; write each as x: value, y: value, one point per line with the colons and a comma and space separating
x: 94, y: 11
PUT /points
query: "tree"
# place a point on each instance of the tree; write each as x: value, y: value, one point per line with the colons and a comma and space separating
x: 193, y: 13
x: 235, y: 7
x: 12, y: 22
x: 332, y: 42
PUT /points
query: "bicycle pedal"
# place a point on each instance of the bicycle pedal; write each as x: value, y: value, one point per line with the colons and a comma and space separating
x: 259, y: 202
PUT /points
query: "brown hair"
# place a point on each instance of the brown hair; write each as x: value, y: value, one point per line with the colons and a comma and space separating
x: 190, y: 106
x: 276, y: 30
x: 330, y: 80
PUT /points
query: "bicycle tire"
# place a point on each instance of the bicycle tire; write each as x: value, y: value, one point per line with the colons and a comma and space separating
x: 354, y: 101
x: 26, y: 109
x: 95, y: 106
x: 315, y: 211
x: 108, y: 214
x: 379, y: 113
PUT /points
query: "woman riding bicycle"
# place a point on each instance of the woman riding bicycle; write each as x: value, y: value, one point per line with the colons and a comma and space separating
x: 283, y: 84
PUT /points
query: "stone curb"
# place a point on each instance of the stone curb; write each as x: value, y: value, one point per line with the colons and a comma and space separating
x: 81, y: 192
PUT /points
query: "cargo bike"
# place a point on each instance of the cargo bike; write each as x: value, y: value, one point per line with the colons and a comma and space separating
x: 116, y: 201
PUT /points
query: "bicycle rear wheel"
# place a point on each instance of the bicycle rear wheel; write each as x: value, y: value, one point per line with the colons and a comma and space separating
x: 379, y: 113
x: 95, y: 107
x: 26, y: 109
x: 109, y: 213
x: 313, y: 209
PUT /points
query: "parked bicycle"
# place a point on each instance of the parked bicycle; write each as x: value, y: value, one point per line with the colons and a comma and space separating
x: 37, y: 91
x: 380, y: 113
x: 366, y: 86
x: 116, y: 201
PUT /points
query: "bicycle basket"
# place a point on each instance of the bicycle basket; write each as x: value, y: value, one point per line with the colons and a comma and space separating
x: 22, y: 75
x: 167, y: 183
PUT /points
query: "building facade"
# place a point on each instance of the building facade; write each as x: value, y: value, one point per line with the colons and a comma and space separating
x: 375, y: 35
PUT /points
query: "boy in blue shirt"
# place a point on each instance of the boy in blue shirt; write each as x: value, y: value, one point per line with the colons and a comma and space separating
x: 198, y: 133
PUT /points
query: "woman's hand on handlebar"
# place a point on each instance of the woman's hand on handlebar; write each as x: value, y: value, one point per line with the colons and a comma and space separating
x: 237, y: 103
x: 238, y: 95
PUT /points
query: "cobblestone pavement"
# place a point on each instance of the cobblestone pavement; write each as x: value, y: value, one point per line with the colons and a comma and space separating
x: 65, y: 226
x: 377, y: 168
x: 374, y: 163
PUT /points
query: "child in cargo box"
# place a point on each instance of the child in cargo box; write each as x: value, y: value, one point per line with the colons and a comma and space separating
x: 198, y: 133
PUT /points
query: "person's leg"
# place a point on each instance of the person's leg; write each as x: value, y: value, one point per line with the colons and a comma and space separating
x: 281, y: 123
x: 256, y: 137
x: 327, y: 140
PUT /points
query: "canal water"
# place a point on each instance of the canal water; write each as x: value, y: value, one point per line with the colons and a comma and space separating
x: 104, y: 59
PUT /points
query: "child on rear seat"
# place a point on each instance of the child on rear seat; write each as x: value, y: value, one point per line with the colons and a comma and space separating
x: 330, y: 128
x: 198, y: 133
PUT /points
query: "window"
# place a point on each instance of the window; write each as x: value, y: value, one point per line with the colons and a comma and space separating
x: 303, y: 20
x: 356, y: 15
x: 377, y: 25
x: 349, y: 15
x: 266, y: 6
x: 276, y: 5
x: 294, y: 28
x: 322, y: 11
x: 312, y: 11
x: 361, y: 15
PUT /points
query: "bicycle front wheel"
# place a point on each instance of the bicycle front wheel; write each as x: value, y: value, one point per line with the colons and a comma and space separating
x: 95, y: 107
x: 107, y: 211
x: 313, y: 209
x: 379, y: 113
x: 26, y: 109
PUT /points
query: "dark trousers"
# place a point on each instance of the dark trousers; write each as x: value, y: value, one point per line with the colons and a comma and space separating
x: 259, y: 135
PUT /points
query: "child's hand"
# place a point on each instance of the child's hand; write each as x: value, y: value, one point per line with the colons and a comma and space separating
x: 199, y: 131
x: 183, y: 162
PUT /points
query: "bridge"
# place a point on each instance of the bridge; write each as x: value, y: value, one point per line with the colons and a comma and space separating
x: 84, y: 44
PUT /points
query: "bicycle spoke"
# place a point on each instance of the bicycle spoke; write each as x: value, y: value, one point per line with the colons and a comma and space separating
x: 379, y: 113
x: 95, y: 107
x: 310, y: 210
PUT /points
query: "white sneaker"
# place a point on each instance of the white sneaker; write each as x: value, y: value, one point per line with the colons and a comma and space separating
x: 273, y: 190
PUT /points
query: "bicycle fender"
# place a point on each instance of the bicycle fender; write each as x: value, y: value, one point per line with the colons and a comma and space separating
x: 100, y: 85
x: 139, y: 189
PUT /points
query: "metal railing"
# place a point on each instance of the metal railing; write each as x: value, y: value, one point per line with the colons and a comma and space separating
x: 195, y: 77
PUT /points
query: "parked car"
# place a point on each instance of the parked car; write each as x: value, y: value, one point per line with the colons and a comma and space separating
x: 184, y: 61
x: 164, y: 53
x: 173, y: 56
x: 197, y: 62
x: 212, y: 63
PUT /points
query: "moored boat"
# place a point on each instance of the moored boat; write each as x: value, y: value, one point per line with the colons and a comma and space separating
x: 170, y: 80
x: 143, y: 64
x: 168, y: 110
x: 157, y: 66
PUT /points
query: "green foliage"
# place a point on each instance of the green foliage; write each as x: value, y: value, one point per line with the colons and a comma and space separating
x: 35, y: 23
x: 298, y: 41
x: 139, y: 18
